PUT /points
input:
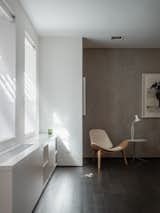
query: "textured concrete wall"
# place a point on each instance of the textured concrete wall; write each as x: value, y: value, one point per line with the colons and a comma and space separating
x: 114, y: 87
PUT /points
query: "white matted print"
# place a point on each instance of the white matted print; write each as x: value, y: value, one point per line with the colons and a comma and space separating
x: 151, y: 95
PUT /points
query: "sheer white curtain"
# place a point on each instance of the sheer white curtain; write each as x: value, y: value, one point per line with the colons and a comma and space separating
x: 7, y: 78
x: 30, y: 87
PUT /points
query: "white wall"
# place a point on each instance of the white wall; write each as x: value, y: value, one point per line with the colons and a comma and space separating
x: 61, y: 95
x: 22, y: 25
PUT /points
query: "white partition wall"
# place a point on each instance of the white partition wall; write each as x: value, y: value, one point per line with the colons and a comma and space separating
x: 61, y: 95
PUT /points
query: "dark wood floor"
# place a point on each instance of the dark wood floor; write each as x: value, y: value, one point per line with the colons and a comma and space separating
x: 118, y: 189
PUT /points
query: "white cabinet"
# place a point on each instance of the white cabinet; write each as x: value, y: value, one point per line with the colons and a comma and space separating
x: 49, y: 149
x: 27, y: 183
x: 23, y: 180
x: 21, y: 184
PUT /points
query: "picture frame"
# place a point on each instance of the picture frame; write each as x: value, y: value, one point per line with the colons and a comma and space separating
x: 151, y: 95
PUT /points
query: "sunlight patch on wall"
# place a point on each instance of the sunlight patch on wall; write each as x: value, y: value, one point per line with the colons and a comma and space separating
x: 61, y: 131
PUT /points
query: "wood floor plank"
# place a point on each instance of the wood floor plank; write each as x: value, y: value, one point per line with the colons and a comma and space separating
x: 132, y: 189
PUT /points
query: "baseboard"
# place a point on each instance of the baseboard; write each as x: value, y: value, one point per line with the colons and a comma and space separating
x: 128, y: 157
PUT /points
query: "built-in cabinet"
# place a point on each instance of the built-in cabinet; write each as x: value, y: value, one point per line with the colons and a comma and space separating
x: 26, y: 183
x: 22, y: 180
x: 49, y: 163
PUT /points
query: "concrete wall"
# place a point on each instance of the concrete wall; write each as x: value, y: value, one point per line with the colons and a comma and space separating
x: 114, y: 95
x: 61, y: 95
x: 23, y: 25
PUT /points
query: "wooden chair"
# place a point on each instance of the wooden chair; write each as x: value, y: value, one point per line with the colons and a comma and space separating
x: 100, y: 143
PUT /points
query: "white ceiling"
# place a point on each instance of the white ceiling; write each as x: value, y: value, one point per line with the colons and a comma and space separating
x: 97, y: 20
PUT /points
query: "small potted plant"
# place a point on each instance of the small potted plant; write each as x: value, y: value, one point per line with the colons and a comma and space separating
x: 50, y: 132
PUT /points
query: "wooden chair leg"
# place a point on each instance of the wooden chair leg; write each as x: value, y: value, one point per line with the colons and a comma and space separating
x: 94, y: 154
x: 124, y: 156
x: 99, y: 159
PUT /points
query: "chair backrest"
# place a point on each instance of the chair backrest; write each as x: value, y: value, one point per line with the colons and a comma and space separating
x: 100, y: 138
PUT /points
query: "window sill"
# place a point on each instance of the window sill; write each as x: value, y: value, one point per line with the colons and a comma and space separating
x: 30, y: 135
x: 8, y: 139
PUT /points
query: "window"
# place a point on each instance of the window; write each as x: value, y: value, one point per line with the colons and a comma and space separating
x: 7, y: 77
x: 30, y: 87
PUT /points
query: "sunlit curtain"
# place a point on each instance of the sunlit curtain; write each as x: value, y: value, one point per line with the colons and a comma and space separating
x: 30, y: 87
x: 7, y: 78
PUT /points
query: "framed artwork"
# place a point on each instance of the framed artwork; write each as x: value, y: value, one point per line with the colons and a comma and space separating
x: 151, y: 95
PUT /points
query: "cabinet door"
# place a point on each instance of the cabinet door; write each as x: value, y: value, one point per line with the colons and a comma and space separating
x: 52, y: 154
x: 49, y: 151
x: 27, y: 182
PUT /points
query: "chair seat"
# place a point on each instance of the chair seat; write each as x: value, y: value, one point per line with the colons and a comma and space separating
x: 115, y: 149
x: 112, y: 149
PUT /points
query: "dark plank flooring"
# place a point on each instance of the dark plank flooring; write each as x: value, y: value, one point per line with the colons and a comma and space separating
x: 118, y: 189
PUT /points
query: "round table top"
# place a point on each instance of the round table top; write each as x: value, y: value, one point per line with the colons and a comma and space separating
x: 137, y: 140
